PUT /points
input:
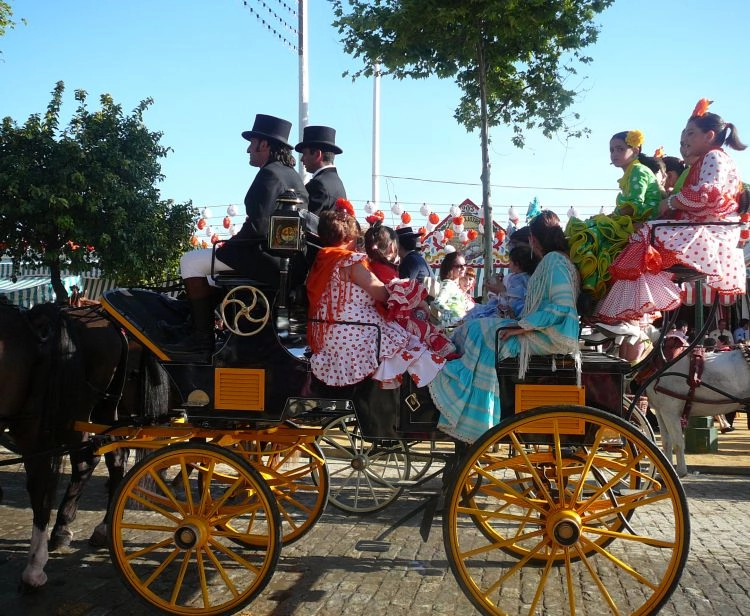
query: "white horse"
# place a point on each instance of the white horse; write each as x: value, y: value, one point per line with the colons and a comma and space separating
x: 726, y: 371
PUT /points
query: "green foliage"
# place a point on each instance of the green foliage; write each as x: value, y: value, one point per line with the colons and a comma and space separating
x: 529, y: 50
x: 85, y: 196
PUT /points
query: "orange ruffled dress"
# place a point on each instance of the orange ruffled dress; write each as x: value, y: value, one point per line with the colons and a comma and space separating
x: 641, y: 285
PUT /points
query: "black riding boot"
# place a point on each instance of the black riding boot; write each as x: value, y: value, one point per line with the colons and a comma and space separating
x: 201, y: 340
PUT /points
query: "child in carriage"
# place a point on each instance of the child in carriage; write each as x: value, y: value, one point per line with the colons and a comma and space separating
x: 349, y: 338
x: 710, y: 193
x: 406, y: 302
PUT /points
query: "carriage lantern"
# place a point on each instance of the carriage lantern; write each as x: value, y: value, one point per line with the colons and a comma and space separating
x: 285, y: 234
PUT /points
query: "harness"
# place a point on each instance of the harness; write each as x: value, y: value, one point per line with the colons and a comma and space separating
x: 694, y: 380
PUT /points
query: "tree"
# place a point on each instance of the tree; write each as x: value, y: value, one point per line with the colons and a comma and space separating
x: 511, y: 58
x: 6, y: 18
x: 86, y: 196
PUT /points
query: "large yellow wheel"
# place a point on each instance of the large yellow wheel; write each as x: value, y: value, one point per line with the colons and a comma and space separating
x: 194, y: 529
x: 592, y: 523
x: 298, y: 477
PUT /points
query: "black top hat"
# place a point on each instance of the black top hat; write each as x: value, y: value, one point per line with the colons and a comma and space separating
x: 408, y: 237
x: 269, y: 127
x: 321, y: 137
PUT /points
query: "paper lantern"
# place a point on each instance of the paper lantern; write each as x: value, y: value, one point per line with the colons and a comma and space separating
x: 233, y: 230
x: 439, y: 236
x: 214, y: 238
x: 472, y: 234
x: 396, y: 209
x: 422, y: 231
x: 500, y: 235
x: 232, y: 210
x: 450, y: 248
x: 201, y: 224
x: 204, y: 244
x: 434, y: 218
x: 424, y: 210
x: 206, y: 213
x: 458, y: 220
x: 572, y: 213
x: 227, y: 222
x: 448, y: 234
x: 512, y: 215
x: 209, y: 231
x: 455, y: 211
x: 194, y: 241
x: 430, y: 227
x: 463, y: 236
x: 406, y: 218
x: 369, y: 207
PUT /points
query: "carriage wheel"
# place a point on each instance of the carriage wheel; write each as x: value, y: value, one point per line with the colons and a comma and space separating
x: 298, y: 477
x: 570, y: 520
x: 364, y: 475
x: 204, y: 542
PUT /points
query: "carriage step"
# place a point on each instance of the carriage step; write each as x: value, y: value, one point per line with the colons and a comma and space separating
x: 372, y: 545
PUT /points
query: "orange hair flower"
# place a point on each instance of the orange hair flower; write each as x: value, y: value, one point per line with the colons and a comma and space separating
x: 346, y: 205
x: 701, y: 107
x: 659, y: 152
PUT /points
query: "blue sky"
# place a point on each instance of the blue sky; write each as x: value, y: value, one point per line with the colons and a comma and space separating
x: 211, y: 66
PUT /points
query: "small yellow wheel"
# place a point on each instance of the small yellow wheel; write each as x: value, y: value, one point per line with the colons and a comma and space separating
x: 194, y: 529
x: 245, y: 310
x: 298, y: 477
x: 597, y: 519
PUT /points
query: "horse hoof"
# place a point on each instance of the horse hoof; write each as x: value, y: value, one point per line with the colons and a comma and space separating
x: 60, y: 539
x: 24, y: 588
x: 98, y: 538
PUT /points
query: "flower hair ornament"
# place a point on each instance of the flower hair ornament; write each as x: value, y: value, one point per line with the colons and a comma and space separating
x: 377, y: 216
x: 346, y: 205
x: 700, y: 108
x: 634, y: 138
x: 659, y: 152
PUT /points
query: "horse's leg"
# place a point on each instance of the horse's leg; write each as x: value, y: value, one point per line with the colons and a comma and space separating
x: 82, y: 462
x: 115, y: 461
x: 41, y: 482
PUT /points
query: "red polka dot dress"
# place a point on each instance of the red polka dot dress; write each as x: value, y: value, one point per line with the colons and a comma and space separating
x: 641, y: 284
x: 367, y: 345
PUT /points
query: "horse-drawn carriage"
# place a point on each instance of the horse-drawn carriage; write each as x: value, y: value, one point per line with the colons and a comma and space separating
x: 565, y: 506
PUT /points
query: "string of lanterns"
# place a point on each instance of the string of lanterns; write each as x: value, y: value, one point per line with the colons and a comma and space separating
x: 213, y: 233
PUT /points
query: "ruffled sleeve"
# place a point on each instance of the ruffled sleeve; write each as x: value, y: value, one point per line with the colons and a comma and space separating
x: 640, y: 195
x: 711, y: 188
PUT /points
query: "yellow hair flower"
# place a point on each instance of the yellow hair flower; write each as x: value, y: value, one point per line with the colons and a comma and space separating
x: 634, y: 138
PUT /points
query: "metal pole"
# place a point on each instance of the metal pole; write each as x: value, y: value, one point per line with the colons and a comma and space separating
x: 304, y: 89
x: 376, y: 137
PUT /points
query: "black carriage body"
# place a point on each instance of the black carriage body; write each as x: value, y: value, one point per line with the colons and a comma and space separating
x: 602, y: 377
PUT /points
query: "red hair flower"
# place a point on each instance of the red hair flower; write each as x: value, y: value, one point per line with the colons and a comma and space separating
x: 346, y: 205
x: 701, y: 107
x: 659, y: 152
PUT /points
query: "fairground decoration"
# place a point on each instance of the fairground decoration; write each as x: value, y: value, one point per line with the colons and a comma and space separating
x: 471, y: 225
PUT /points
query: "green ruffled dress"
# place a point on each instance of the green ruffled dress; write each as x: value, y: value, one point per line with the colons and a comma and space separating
x: 595, y: 242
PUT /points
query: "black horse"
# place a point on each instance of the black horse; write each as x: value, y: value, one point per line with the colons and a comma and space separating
x: 57, y: 366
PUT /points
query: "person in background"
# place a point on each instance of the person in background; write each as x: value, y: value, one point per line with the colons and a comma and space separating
x: 721, y: 330
x: 674, y: 168
x: 742, y: 333
x: 466, y: 283
x: 343, y: 292
x: 451, y: 304
x: 270, y: 151
x: 318, y: 148
x: 413, y: 264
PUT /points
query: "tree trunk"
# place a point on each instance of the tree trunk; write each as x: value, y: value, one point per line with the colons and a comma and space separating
x: 61, y: 293
x: 488, y: 237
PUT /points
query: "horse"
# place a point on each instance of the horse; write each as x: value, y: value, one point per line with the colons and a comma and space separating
x: 722, y: 387
x: 146, y: 393
x: 57, y: 366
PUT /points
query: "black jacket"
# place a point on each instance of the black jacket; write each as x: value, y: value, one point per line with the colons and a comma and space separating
x: 260, y: 202
x: 414, y: 266
x: 324, y: 189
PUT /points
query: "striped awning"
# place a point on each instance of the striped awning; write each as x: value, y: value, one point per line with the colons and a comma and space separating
x: 29, y: 287
x: 689, y: 295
